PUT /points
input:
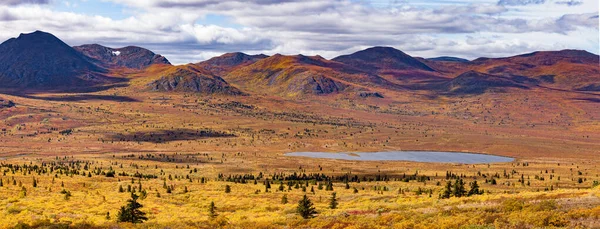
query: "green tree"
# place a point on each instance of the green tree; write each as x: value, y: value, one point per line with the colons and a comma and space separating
x: 284, y: 199
x: 212, y: 210
x: 131, y: 212
x: 459, y: 188
x: 447, y: 191
x: 227, y: 189
x: 333, y: 203
x: 305, y: 208
x: 474, y: 189
x: 329, y: 186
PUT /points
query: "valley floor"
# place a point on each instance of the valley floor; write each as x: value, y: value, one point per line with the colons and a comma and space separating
x: 173, y: 142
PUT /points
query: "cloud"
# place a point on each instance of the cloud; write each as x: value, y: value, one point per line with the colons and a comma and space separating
x: 184, y: 31
x: 20, y: 2
x: 520, y: 2
x: 570, y: 2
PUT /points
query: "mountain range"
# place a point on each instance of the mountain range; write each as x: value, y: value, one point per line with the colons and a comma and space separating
x: 41, y: 61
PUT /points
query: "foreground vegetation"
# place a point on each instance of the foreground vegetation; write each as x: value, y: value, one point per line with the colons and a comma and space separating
x: 91, y: 191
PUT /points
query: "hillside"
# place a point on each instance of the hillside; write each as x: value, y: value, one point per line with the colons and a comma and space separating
x: 302, y: 75
x: 128, y: 57
x: 40, y: 60
x: 188, y: 78
x: 382, y: 59
x: 473, y: 82
x: 221, y: 65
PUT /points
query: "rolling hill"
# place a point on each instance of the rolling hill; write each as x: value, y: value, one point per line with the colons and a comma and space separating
x: 186, y: 78
x: 303, y: 75
x: 381, y: 60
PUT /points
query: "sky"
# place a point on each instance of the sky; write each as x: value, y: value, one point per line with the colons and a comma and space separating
x: 189, y: 31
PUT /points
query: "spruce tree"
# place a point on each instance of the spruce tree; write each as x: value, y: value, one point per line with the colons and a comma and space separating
x: 212, y: 210
x: 459, y: 188
x: 305, y: 208
x: 329, y: 186
x: 284, y: 199
x: 474, y: 189
x: 447, y: 191
x: 227, y: 189
x: 333, y: 203
x: 131, y: 212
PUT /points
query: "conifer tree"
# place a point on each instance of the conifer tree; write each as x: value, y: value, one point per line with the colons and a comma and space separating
x: 284, y: 199
x: 474, y: 189
x: 131, y: 212
x: 212, y: 210
x: 333, y: 203
x: 305, y: 208
x: 459, y: 188
x: 447, y: 191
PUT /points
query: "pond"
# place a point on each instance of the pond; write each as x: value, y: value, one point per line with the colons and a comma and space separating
x: 416, y: 156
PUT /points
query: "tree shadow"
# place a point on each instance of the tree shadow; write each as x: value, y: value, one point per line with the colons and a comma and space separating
x: 74, y: 94
x: 593, y: 100
x: 163, y: 136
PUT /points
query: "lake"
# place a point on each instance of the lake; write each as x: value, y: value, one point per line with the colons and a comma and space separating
x: 416, y: 156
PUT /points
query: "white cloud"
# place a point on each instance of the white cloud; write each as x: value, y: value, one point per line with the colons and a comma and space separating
x: 325, y: 27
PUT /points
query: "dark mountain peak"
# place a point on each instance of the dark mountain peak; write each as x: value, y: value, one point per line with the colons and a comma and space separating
x: 379, y: 59
x: 129, y: 57
x: 40, y: 59
x: 36, y: 38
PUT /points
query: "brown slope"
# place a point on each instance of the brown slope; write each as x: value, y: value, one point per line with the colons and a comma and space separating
x: 128, y: 57
x: 184, y: 78
x: 301, y: 75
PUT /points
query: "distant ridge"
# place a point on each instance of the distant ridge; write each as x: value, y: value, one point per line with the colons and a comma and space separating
x: 128, y: 57
x: 41, y: 61
x: 448, y: 59
x: 220, y: 65
x: 379, y: 59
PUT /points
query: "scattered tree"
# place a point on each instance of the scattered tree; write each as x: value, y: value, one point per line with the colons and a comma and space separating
x: 131, y: 212
x: 305, y: 208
